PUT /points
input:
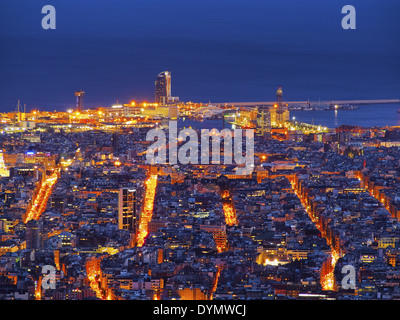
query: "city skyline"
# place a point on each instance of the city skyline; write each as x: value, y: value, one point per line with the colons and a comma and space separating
x: 223, y: 60
x: 226, y: 153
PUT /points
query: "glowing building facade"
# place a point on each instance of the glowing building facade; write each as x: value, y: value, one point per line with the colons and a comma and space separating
x: 79, y: 100
x: 128, y: 218
x: 163, y: 89
x: 4, y: 172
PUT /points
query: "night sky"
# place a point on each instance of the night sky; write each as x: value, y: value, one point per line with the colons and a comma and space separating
x: 217, y: 51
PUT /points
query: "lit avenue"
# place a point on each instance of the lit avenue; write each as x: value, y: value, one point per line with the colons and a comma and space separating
x: 78, y: 195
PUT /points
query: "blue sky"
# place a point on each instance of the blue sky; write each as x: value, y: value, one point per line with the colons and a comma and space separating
x: 216, y: 50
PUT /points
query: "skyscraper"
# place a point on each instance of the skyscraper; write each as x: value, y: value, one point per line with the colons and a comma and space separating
x: 163, y: 87
x: 279, y: 96
x: 34, y: 234
x: 128, y: 217
x: 4, y: 172
x: 264, y: 121
x: 282, y: 112
x: 79, y: 100
x: 115, y: 141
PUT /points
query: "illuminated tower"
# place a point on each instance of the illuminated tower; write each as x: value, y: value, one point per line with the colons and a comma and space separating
x: 4, y: 172
x: 279, y: 96
x: 264, y: 122
x: 128, y: 216
x: 163, y: 87
x: 282, y: 113
x: 79, y: 100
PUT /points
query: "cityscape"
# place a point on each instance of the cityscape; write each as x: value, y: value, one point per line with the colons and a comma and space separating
x: 225, y: 153
x: 77, y: 195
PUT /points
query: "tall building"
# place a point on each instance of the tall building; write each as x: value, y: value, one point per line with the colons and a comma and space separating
x: 128, y: 216
x: 163, y: 89
x: 282, y: 112
x: 115, y: 141
x: 79, y: 100
x: 279, y: 97
x: 34, y: 234
x: 4, y: 172
x: 264, y: 121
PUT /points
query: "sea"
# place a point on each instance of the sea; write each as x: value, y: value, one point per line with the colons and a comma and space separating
x: 374, y: 115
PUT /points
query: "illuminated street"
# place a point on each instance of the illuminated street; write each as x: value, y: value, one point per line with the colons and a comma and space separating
x: 194, y: 157
x: 41, y: 196
x: 327, y: 277
x: 215, y: 281
x: 147, y: 212
x: 228, y: 208
x: 95, y: 277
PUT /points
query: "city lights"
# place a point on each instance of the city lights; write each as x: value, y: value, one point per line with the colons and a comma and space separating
x: 182, y: 159
x: 228, y: 208
x: 41, y: 197
x: 94, y: 275
x: 327, y: 277
x: 316, y: 199
x: 147, y: 212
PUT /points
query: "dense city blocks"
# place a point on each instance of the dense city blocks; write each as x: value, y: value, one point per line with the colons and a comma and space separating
x: 317, y: 217
x: 191, y: 159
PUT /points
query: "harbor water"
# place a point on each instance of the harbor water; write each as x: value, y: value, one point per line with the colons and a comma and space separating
x: 374, y: 115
